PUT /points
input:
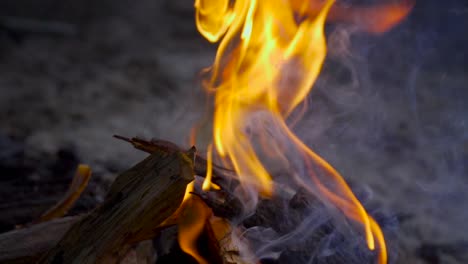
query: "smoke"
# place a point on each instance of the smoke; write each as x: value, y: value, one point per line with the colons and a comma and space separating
x: 389, y: 112
x: 304, y: 227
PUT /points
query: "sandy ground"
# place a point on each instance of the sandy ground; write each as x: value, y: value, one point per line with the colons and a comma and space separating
x: 388, y: 112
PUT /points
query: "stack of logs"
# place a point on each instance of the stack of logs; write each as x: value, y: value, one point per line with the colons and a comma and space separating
x: 141, y: 202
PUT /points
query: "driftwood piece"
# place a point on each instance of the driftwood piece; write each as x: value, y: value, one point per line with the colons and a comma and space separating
x: 27, y: 245
x: 139, y: 200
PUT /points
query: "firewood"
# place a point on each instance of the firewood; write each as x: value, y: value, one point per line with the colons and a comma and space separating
x: 27, y: 251
x: 222, y: 203
x: 221, y: 176
x: 226, y: 178
x: 143, y: 253
x: 139, y: 200
x: 202, y: 235
x: 220, y: 232
x: 27, y: 245
x: 213, y: 246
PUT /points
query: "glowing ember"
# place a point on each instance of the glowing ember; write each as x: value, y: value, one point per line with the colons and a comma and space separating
x: 269, y: 56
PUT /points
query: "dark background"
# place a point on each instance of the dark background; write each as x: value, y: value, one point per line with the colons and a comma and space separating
x: 389, y: 111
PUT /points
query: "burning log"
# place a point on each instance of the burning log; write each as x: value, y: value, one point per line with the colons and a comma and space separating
x: 139, y: 201
x: 225, y: 178
x: 119, y: 211
x: 221, y: 175
x: 143, y: 201
x: 258, y: 82
x: 220, y: 231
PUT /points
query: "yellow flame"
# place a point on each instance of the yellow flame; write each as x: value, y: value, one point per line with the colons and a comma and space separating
x: 249, y: 80
x: 270, y: 54
x: 209, y: 169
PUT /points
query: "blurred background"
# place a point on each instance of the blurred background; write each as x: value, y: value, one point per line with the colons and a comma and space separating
x: 389, y: 111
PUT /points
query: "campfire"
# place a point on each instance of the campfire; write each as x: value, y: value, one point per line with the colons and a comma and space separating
x: 258, y: 193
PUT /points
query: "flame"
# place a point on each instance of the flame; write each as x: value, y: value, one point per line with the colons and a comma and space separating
x: 194, y: 214
x: 374, y: 19
x: 209, y: 169
x: 270, y: 54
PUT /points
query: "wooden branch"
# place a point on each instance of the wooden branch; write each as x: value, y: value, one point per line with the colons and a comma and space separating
x: 139, y: 200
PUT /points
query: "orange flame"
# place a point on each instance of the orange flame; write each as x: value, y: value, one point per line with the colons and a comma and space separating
x: 269, y: 56
x: 375, y: 19
x: 191, y: 221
